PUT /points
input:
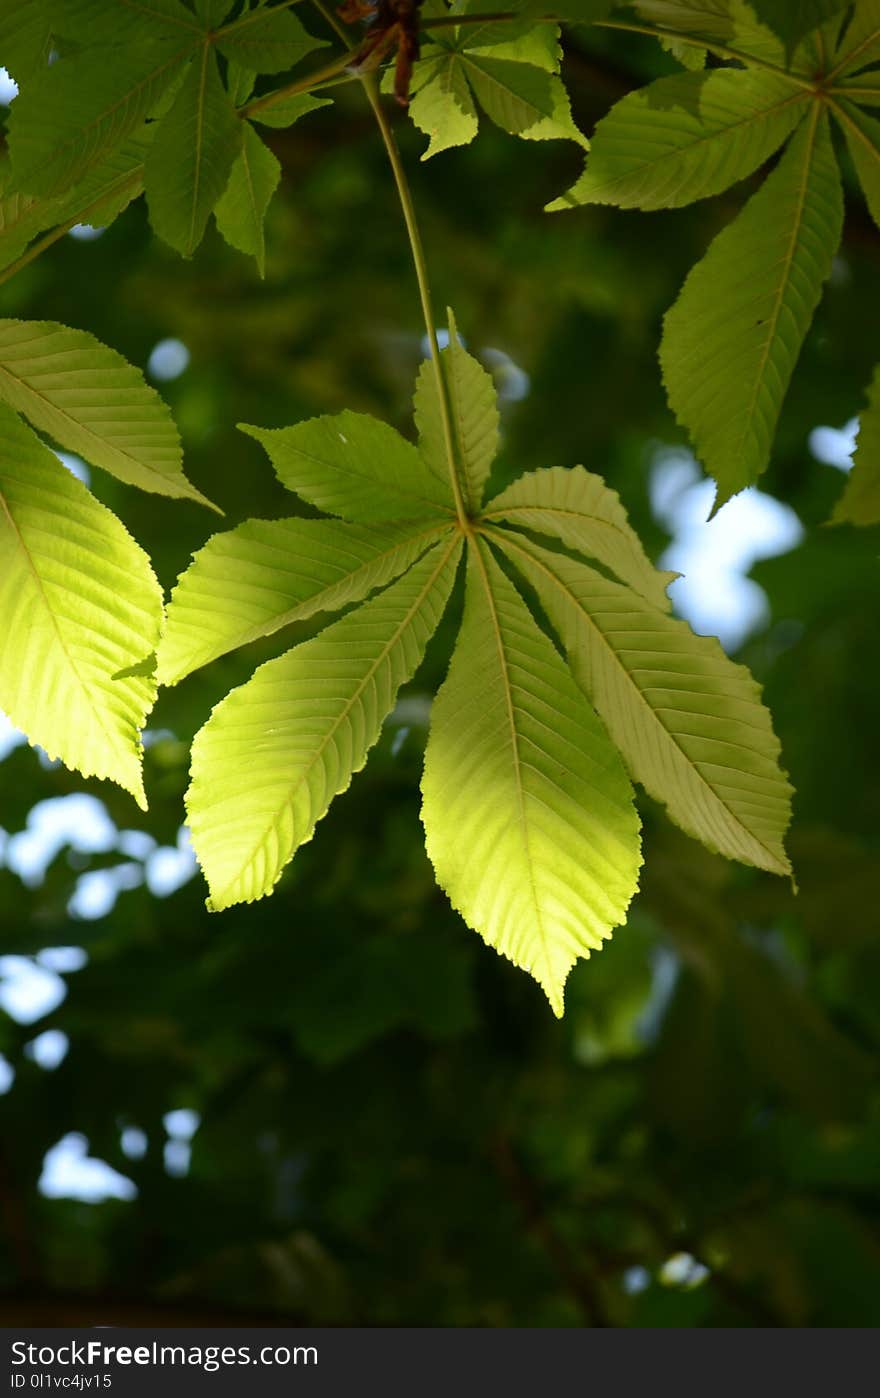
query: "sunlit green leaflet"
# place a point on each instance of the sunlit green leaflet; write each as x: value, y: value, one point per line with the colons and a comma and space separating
x: 79, y: 604
x: 527, y: 806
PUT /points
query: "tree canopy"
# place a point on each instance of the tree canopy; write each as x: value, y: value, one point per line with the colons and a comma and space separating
x: 338, y: 627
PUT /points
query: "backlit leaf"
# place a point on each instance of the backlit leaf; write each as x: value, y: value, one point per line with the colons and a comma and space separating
x: 474, y: 413
x: 276, y: 751
x: 686, y: 137
x: 265, y: 574
x: 732, y: 339
x: 355, y: 466
x: 584, y: 514
x: 528, y: 811
x: 92, y: 402
x: 242, y: 209
x: 190, y: 160
x: 72, y: 116
x: 79, y: 604
x: 689, y: 722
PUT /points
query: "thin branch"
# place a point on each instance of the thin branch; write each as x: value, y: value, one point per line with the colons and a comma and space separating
x: 524, y: 1191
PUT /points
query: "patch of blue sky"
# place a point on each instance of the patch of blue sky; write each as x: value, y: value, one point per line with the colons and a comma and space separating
x: 714, y: 556
x: 69, y: 1172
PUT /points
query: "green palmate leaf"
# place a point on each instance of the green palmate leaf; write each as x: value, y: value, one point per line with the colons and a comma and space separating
x: 584, y: 514
x: 263, y: 575
x: 83, y: 107
x: 528, y: 812
x: 860, y: 41
x: 25, y: 34
x: 688, y: 721
x: 269, y: 41
x: 79, y: 604
x: 275, y: 752
x: 514, y: 79
x: 732, y: 339
x: 685, y: 137
x: 792, y: 19
x: 863, y: 138
x: 190, y: 160
x: 474, y: 410
x: 241, y: 211
x: 860, y: 502
x: 92, y: 402
x: 355, y: 466
x: 288, y: 109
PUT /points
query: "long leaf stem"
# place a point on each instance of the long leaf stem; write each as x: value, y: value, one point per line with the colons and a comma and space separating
x: 371, y: 88
x: 304, y: 84
x: 417, y: 251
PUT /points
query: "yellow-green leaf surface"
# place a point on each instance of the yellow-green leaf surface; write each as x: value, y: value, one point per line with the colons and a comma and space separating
x: 528, y: 812
x: 689, y: 722
x: 474, y: 408
x: 275, y: 752
x: 586, y: 515
x: 732, y: 339
x: 92, y: 402
x: 860, y: 502
x: 79, y: 604
x: 241, y: 212
x: 263, y: 575
x: 685, y: 137
x: 193, y: 151
x: 355, y: 466
x: 441, y: 104
x: 863, y: 138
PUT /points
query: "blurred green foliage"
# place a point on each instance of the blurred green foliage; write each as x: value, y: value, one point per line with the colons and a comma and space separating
x: 394, y: 1130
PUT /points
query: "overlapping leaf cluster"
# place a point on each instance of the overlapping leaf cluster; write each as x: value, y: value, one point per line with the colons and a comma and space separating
x: 144, y: 97
x: 732, y: 339
x: 80, y: 604
x: 508, y: 70
x: 569, y: 678
x: 527, y: 800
